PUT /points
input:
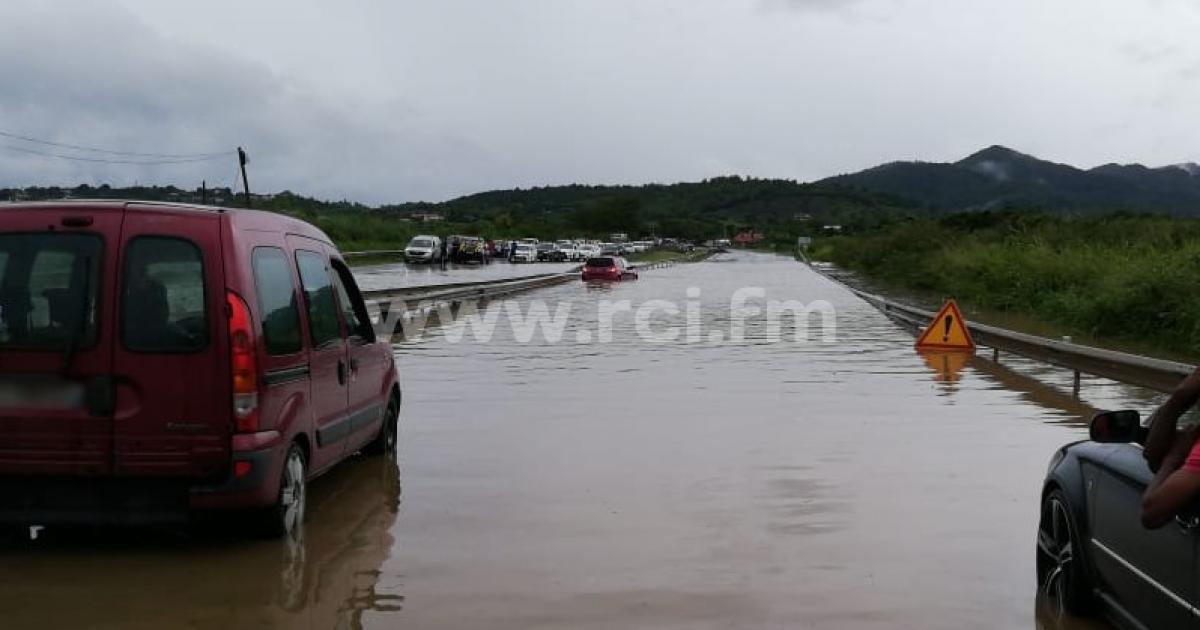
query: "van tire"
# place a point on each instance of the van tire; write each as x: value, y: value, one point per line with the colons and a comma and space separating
x: 287, y: 515
x: 385, y: 441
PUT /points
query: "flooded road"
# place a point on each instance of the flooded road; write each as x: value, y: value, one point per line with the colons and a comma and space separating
x: 396, y: 275
x: 687, y: 484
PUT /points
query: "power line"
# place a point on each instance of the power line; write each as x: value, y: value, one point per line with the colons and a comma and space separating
x: 80, y: 158
x: 169, y: 156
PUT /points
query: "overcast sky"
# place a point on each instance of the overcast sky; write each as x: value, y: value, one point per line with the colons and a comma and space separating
x: 398, y: 100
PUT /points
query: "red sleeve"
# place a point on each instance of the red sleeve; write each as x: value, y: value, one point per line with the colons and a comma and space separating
x: 1192, y: 463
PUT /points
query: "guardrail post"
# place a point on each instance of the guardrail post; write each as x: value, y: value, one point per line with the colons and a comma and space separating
x: 995, y: 354
x: 1076, y: 387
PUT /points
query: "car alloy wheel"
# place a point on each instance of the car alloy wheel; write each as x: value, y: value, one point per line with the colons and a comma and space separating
x: 1060, y: 576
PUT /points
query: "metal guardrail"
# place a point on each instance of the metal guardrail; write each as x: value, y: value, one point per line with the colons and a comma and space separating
x: 1157, y: 374
x: 468, y: 290
x: 683, y: 258
x: 405, y: 292
x: 402, y: 303
x: 376, y: 252
x: 391, y: 309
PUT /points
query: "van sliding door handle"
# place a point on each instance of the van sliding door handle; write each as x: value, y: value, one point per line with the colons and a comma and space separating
x: 341, y: 370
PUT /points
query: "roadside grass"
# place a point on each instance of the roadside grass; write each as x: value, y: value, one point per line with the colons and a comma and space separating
x: 1131, y: 278
x: 655, y: 255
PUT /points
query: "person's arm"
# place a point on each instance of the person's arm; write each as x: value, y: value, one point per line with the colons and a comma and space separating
x: 1176, y: 486
x: 1164, y: 424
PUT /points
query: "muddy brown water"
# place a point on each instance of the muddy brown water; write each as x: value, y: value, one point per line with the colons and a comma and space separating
x: 850, y: 484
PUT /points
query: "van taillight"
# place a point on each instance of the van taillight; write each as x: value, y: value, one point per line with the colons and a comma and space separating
x: 243, y: 358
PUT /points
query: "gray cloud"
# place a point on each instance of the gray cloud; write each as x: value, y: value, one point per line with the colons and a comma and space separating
x: 96, y: 76
x: 810, y: 5
x: 408, y: 99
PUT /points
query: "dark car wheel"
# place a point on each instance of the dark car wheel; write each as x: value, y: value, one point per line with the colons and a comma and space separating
x: 1062, y: 578
x: 385, y: 442
x: 287, y: 515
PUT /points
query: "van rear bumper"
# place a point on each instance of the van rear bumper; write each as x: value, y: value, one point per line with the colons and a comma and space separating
x: 253, y: 489
x: 71, y: 500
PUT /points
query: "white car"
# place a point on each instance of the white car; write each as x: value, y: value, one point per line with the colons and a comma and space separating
x: 589, y: 250
x: 423, y: 249
x: 523, y: 253
x: 569, y: 250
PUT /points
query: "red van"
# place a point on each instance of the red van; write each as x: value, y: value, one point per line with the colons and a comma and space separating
x: 157, y: 360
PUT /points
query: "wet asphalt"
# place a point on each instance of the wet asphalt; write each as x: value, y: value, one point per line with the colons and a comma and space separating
x: 848, y: 484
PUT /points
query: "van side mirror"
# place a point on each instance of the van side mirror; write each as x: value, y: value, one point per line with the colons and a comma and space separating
x: 1118, y: 427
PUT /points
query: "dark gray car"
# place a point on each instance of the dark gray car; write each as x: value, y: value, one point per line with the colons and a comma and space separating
x: 1093, y: 554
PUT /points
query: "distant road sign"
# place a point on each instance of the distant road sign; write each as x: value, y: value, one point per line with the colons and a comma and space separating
x: 948, y: 331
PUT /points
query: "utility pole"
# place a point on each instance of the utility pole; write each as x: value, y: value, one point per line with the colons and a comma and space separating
x: 245, y: 182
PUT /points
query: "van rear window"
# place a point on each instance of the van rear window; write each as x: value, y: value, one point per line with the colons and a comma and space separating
x: 49, y: 283
x: 163, y: 308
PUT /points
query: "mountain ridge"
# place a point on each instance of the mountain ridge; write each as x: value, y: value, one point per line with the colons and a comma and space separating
x: 1000, y: 177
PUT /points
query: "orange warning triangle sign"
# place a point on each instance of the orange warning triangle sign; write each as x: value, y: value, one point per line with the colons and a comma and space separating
x: 948, y: 331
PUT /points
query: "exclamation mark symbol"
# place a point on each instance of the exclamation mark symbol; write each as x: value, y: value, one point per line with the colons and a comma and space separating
x: 946, y: 328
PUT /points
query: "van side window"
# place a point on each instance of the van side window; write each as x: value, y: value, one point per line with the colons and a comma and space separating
x: 276, y: 301
x: 357, y: 321
x: 318, y: 298
x: 163, y: 307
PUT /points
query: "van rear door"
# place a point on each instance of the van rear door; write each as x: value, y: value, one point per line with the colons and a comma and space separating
x: 173, y: 402
x: 57, y: 265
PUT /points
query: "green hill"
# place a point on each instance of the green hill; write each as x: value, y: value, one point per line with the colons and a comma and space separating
x: 714, y: 208
x: 1000, y: 178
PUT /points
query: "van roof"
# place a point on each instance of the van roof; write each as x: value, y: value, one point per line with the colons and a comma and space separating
x: 240, y: 218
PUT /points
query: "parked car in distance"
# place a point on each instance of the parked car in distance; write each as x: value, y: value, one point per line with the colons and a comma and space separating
x: 568, y: 251
x: 1094, y: 555
x: 185, y: 358
x: 608, y: 268
x: 588, y: 250
x: 423, y: 249
x: 523, y: 252
x: 545, y: 251
x: 610, y: 249
x: 472, y: 249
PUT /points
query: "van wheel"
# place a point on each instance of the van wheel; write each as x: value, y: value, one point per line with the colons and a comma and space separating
x: 287, y: 515
x: 385, y: 442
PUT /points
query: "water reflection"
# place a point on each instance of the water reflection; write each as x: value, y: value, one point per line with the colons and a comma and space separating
x: 947, y: 367
x: 633, y: 485
x: 213, y: 577
x: 782, y: 480
x: 1047, y: 617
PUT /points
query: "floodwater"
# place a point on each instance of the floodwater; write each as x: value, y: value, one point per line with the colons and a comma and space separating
x: 849, y: 484
x: 397, y: 275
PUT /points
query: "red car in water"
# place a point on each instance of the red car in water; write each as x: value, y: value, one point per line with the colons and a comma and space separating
x: 609, y: 268
x: 158, y: 359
